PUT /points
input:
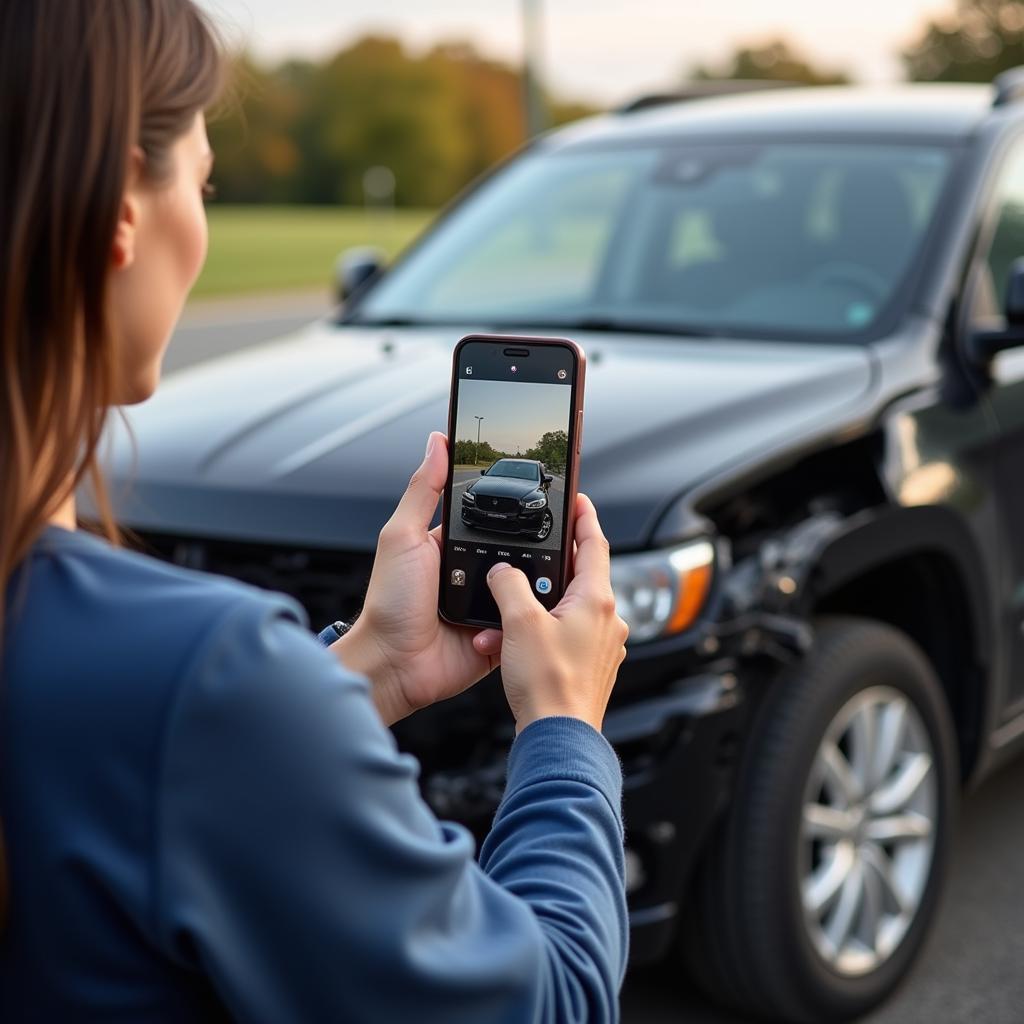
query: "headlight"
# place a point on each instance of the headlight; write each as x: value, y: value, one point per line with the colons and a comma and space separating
x: 659, y: 593
x: 469, y: 496
x: 536, y: 503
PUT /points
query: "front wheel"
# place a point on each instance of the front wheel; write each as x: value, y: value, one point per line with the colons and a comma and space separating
x: 822, y: 884
x: 545, y: 527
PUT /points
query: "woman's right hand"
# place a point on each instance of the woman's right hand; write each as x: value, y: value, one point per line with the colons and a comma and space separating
x: 561, y: 662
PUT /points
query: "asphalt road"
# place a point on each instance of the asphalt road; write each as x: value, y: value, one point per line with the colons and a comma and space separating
x: 215, y: 327
x: 970, y: 971
x: 457, y: 531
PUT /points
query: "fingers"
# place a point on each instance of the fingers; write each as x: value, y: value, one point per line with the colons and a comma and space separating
x: 487, y: 641
x: 592, y: 560
x: 416, y: 509
x: 513, y: 595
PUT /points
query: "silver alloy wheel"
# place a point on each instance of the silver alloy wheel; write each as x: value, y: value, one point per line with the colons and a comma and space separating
x: 868, y: 830
x: 545, y: 527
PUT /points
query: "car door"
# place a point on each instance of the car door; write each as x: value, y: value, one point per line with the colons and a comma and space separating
x: 1002, y: 242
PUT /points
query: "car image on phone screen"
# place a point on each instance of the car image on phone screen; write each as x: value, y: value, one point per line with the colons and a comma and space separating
x: 514, y: 432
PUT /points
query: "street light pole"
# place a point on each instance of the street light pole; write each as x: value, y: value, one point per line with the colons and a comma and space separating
x: 536, y: 121
x: 476, y: 452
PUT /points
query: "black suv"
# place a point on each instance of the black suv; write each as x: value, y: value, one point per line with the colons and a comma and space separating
x: 807, y: 447
x: 512, y: 497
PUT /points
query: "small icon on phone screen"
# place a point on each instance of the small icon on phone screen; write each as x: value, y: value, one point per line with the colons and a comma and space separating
x: 562, y: 374
x: 469, y: 371
x: 458, y: 577
x: 543, y: 585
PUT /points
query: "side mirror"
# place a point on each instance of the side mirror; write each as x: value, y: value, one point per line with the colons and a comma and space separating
x: 354, y: 268
x: 547, y: 478
x: 483, y: 472
x: 985, y: 345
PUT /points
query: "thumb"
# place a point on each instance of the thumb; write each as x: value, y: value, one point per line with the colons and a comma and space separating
x: 418, y: 503
x: 512, y: 593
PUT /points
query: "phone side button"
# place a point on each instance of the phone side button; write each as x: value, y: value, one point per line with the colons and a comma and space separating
x: 579, y: 431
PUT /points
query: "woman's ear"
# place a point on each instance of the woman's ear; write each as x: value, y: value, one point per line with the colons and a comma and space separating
x: 122, y: 250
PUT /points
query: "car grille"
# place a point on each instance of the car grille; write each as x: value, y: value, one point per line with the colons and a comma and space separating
x: 486, y: 504
x: 330, y: 585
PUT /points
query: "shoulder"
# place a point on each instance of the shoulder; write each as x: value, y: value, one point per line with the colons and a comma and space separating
x: 139, y: 588
x: 258, y: 672
x: 89, y: 562
x: 189, y: 616
x: 114, y: 618
x: 137, y: 649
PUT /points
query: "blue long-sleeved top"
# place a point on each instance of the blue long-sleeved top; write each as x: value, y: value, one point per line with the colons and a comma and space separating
x: 206, y: 819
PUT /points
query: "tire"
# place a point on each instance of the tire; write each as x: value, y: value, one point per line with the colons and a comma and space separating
x: 755, y: 941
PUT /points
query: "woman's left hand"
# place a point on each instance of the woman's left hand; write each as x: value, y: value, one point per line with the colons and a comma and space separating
x: 411, y: 656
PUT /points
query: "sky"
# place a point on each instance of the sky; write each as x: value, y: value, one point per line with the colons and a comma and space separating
x: 515, y: 415
x: 603, y: 51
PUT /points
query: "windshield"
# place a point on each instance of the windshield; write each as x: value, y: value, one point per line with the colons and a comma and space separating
x: 519, y: 470
x: 738, y: 238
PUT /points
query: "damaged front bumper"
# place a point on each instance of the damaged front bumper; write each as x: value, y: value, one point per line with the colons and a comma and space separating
x: 678, y: 752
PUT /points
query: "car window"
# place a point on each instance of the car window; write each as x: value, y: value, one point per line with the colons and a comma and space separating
x: 519, y: 470
x: 1007, y: 242
x: 531, y: 239
x: 737, y: 237
x: 804, y: 237
x: 550, y: 249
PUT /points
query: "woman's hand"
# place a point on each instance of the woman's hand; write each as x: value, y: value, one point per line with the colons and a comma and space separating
x: 562, y: 662
x: 411, y: 656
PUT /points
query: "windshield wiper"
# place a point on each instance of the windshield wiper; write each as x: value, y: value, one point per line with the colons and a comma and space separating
x: 611, y: 325
x: 386, y: 321
x: 606, y: 324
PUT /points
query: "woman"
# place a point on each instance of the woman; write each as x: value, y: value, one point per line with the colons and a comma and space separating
x: 204, y: 814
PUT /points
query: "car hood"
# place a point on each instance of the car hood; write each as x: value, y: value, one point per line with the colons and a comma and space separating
x: 311, y: 439
x: 502, y: 487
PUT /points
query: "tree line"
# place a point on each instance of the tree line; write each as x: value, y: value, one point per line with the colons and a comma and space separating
x: 973, y: 42
x: 306, y: 131
x: 551, y: 449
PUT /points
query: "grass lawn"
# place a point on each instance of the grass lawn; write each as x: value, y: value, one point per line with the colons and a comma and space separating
x: 277, y: 248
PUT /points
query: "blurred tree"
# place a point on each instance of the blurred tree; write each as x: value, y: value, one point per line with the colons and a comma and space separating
x: 252, y: 134
x: 371, y: 104
x: 776, y: 61
x: 551, y: 449
x: 973, y: 44
x: 469, y: 453
x: 489, y: 101
x: 307, y: 132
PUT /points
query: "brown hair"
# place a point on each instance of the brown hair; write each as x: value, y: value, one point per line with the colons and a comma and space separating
x: 82, y: 81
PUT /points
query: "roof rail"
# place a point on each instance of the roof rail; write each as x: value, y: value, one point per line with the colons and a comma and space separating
x: 701, y: 89
x: 1009, y: 87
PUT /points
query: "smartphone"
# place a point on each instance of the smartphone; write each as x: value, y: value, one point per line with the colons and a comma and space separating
x: 515, y: 427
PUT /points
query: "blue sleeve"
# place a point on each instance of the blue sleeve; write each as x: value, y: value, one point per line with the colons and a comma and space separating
x: 299, y: 869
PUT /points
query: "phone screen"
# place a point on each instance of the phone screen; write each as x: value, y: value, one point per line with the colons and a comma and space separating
x: 514, y: 425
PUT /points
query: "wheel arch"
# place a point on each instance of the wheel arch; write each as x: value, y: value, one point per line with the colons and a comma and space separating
x: 918, y: 570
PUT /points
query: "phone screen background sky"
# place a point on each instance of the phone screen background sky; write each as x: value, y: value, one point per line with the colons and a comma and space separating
x: 515, y: 416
